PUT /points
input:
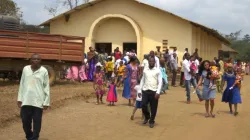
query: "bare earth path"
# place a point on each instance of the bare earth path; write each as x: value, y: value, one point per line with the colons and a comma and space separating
x: 175, y: 120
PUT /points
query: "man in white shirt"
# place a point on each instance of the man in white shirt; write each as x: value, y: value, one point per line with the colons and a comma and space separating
x: 144, y: 62
x: 197, y: 64
x: 150, y: 88
x: 189, y: 79
x: 172, y: 52
x: 157, y: 61
x: 174, y: 68
x: 33, y: 96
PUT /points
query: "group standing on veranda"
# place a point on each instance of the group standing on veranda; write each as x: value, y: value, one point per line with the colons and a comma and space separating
x: 142, y: 84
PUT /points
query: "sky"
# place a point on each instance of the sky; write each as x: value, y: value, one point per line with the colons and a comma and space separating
x: 226, y: 16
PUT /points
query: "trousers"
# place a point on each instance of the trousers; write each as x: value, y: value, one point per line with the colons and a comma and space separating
x: 29, y: 114
x: 148, y: 97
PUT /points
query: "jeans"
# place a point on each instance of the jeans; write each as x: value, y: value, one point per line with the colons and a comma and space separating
x: 148, y: 96
x: 29, y: 114
x: 188, y: 88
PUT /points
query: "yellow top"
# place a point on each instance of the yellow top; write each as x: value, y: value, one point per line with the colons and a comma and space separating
x: 110, y: 66
x: 121, y: 70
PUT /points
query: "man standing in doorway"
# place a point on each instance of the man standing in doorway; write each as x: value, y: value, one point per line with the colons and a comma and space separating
x: 189, y: 79
x: 150, y: 87
x: 33, y: 96
x: 118, y: 54
x: 174, y: 66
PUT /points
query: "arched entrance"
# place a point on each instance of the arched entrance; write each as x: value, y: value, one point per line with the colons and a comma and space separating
x: 98, y: 22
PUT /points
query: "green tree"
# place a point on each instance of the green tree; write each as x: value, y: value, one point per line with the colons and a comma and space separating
x: 241, y: 45
x: 9, y: 7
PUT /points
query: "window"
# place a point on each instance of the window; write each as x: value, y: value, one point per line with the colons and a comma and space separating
x: 164, y: 44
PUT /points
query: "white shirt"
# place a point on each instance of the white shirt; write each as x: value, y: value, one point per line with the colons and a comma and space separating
x: 144, y: 63
x: 172, y: 52
x: 157, y: 62
x: 186, y: 65
x: 197, y: 63
x: 137, y: 88
x: 151, y: 80
x: 34, y: 87
x: 174, y: 63
x: 127, y: 58
x: 117, y: 63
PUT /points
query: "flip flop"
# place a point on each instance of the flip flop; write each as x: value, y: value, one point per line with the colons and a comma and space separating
x: 213, y: 115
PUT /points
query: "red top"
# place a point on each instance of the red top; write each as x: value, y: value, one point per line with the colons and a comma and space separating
x: 118, y: 55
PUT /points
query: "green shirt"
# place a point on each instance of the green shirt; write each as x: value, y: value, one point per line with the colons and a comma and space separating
x: 34, y: 87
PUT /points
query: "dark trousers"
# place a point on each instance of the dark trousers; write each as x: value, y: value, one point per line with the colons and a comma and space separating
x: 29, y: 114
x: 182, y: 79
x: 148, y: 97
x: 174, y: 77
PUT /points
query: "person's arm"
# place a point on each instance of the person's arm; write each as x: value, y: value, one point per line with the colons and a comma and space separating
x: 46, y: 91
x: 200, y: 81
x: 20, y: 92
x: 141, y: 83
x: 159, y: 83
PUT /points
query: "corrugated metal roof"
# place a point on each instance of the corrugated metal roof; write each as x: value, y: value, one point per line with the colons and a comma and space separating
x: 91, y: 3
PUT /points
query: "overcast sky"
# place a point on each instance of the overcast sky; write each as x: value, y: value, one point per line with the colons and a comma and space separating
x: 223, y: 15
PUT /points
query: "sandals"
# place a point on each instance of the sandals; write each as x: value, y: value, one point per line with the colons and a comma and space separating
x: 213, y: 115
x: 207, y: 115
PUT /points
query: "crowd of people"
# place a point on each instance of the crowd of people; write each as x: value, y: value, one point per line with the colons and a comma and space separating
x: 126, y: 71
x: 142, y: 83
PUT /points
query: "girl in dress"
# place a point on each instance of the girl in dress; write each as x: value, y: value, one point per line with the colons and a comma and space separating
x: 231, y: 96
x: 98, y: 83
x: 208, y: 94
x: 112, y: 94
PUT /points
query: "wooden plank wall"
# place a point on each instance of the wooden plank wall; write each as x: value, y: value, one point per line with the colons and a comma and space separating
x: 50, y: 47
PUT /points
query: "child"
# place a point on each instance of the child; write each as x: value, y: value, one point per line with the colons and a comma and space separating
x: 212, y: 75
x: 109, y: 68
x: 98, y: 83
x: 164, y: 76
x: 138, y: 104
x: 120, y: 71
x: 238, y: 80
x: 218, y: 81
x: 82, y: 72
x: 112, y: 95
x: 231, y: 94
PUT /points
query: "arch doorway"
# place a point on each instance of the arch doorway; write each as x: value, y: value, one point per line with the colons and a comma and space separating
x: 115, y: 30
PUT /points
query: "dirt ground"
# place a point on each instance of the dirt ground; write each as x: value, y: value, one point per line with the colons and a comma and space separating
x: 61, y: 91
x: 176, y: 120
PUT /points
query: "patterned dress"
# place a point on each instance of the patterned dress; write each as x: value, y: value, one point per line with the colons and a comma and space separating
x: 130, y: 82
x: 99, y: 82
